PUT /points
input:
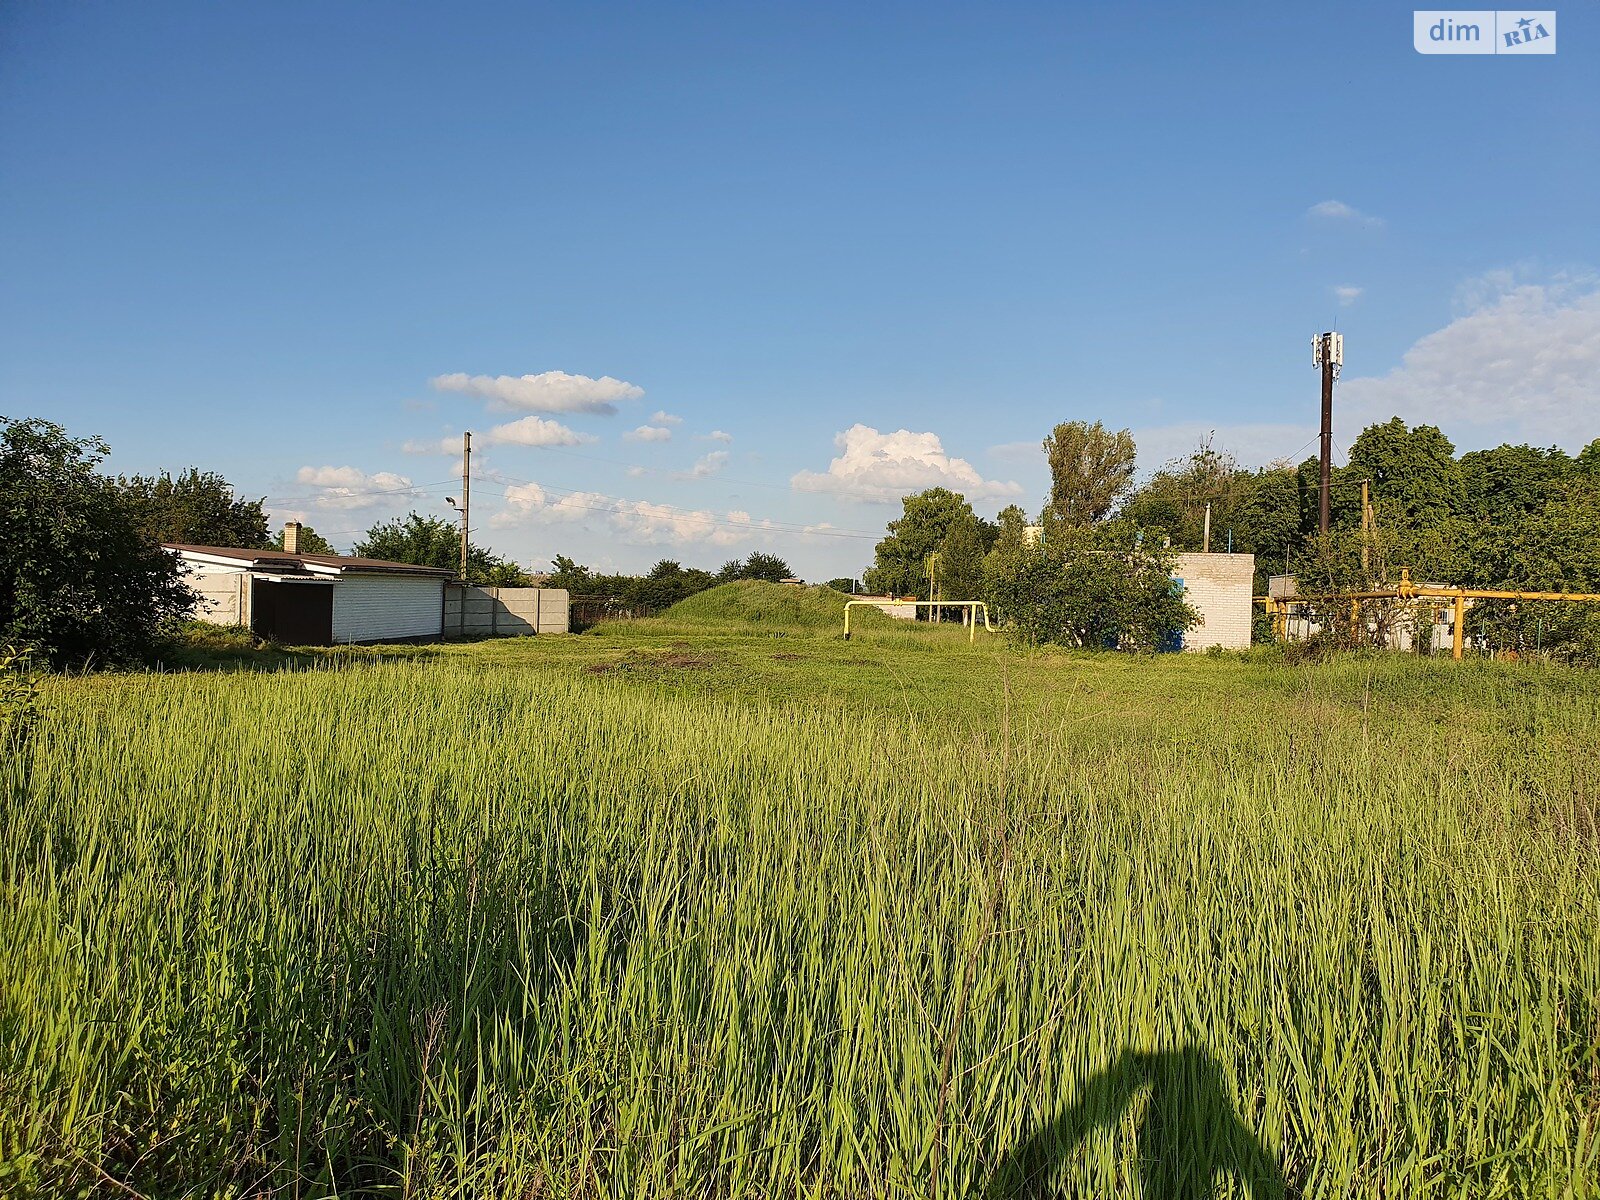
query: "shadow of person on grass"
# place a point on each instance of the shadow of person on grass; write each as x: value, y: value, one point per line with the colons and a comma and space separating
x: 1188, y: 1135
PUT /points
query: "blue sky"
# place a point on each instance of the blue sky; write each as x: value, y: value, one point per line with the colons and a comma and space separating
x: 871, y: 247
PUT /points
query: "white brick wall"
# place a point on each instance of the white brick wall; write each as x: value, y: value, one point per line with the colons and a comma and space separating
x: 1219, y: 587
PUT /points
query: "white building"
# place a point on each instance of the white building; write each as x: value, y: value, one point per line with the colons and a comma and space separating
x: 315, y: 599
x: 1219, y: 587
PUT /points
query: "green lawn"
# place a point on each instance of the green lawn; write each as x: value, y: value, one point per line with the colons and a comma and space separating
x: 723, y: 906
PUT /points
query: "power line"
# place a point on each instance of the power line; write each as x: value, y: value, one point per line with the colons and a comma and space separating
x: 344, y: 492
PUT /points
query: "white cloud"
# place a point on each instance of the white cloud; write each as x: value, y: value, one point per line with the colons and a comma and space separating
x: 666, y: 418
x: 641, y: 521
x: 525, y: 496
x: 648, y: 433
x: 875, y: 466
x: 529, y: 502
x: 706, y: 465
x: 637, y: 521
x: 1347, y: 295
x: 1339, y: 211
x: 717, y: 435
x: 550, y: 391
x: 1523, y: 365
x: 527, y: 431
x: 351, y: 487
x: 536, y: 431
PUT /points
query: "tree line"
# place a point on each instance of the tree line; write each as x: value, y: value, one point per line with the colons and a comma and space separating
x: 1087, y: 570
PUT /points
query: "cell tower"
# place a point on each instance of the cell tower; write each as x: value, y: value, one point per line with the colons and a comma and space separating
x: 1327, y: 352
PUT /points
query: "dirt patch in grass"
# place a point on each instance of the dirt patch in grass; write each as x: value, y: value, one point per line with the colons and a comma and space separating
x: 644, y: 662
x: 789, y: 657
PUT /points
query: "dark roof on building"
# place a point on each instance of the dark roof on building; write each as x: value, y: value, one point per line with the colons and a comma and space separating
x: 277, y: 560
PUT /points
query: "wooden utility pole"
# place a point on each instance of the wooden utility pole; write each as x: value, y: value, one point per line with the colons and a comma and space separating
x: 1366, y: 529
x: 466, y: 498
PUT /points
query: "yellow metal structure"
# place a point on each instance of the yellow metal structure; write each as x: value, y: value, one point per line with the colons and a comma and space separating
x: 973, y: 607
x: 1278, y: 610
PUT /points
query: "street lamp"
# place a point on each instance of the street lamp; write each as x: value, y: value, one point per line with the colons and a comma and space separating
x: 462, y: 513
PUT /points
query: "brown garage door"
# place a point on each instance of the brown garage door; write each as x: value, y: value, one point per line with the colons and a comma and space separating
x: 294, y: 614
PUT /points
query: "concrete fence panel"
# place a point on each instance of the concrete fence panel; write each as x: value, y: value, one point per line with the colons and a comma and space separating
x: 504, y: 612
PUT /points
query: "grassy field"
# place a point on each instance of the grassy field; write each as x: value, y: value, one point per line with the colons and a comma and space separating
x: 721, y: 905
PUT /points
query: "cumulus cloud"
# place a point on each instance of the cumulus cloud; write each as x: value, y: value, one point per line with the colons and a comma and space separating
x: 648, y: 433
x: 1347, y: 295
x: 638, y: 521
x: 1523, y: 365
x: 641, y: 521
x: 706, y: 465
x: 549, y: 391
x: 873, y: 466
x: 536, y: 431
x: 717, y: 435
x: 527, y: 502
x: 351, y: 487
x: 1340, y: 212
x: 666, y: 418
x: 528, y: 431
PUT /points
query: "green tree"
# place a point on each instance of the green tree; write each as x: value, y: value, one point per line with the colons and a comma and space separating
x: 1415, y: 476
x: 767, y: 567
x: 1008, y: 583
x: 577, y: 579
x: 1588, y: 460
x: 1554, y: 548
x: 927, y: 518
x: 1098, y: 588
x: 1091, y: 469
x: 79, y: 580
x: 427, y: 542
x: 1173, y: 502
x: 1509, y: 482
x: 1267, y: 523
x: 311, y: 542
x: 197, y: 507
x: 848, y: 586
x: 666, y: 583
x: 506, y: 574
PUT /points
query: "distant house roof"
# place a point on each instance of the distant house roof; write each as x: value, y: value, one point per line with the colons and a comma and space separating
x: 311, y: 564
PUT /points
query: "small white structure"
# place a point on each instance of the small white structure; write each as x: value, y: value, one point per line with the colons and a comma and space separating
x: 898, y: 609
x: 1219, y: 587
x: 315, y: 599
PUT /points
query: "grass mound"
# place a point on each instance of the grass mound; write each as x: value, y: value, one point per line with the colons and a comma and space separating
x: 750, y: 602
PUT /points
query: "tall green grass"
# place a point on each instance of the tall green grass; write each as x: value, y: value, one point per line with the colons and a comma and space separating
x: 489, y: 927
